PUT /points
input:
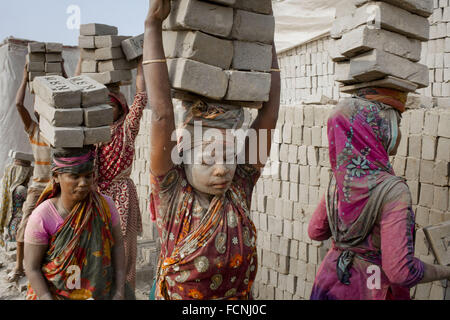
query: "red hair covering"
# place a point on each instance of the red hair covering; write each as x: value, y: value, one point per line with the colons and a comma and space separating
x: 119, y: 98
x: 394, y: 98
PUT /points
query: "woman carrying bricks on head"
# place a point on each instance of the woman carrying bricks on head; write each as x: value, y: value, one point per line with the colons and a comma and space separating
x: 367, y: 211
x: 115, y: 160
x: 202, y: 210
x: 73, y: 241
x: 41, y: 174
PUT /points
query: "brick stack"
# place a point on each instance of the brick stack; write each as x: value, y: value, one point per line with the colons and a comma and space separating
x: 284, y: 200
x: 220, y: 50
x: 73, y: 112
x: 378, y: 43
x: 436, y: 54
x: 44, y: 59
x: 17, y: 155
x: 423, y: 159
x: 103, y: 58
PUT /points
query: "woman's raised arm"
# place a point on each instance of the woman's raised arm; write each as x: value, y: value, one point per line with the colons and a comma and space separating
x: 158, y: 89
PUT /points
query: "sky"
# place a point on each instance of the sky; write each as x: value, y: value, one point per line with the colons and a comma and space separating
x: 53, y: 20
x: 49, y: 20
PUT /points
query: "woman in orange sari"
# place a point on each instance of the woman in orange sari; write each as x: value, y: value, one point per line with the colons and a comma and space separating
x: 73, y: 241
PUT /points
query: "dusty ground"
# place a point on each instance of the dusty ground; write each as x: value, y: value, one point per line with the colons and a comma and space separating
x: 10, y: 291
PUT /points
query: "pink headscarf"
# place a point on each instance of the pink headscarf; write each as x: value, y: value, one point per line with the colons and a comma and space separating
x: 360, y: 133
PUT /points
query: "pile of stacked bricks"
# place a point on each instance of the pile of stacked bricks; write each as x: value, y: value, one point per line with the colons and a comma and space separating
x: 43, y: 59
x: 220, y: 50
x: 284, y: 200
x: 102, y: 54
x: 423, y: 159
x: 436, y: 54
x: 308, y: 73
x: 378, y: 43
x: 73, y: 112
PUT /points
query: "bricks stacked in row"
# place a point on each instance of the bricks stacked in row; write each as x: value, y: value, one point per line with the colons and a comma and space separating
x: 220, y: 50
x: 307, y: 71
x: 378, y: 43
x: 73, y: 112
x: 283, y: 202
x: 103, y: 58
x: 424, y: 160
x: 44, y: 59
x: 436, y: 54
x: 139, y: 175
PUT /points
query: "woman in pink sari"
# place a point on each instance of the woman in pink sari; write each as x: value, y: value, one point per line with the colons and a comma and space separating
x: 368, y: 210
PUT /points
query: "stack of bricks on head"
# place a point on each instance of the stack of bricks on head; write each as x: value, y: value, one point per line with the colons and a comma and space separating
x: 221, y: 49
x: 43, y: 59
x: 73, y: 112
x: 17, y: 155
x: 102, y: 54
x: 378, y: 44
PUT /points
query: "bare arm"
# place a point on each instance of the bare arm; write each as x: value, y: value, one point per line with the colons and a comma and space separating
x: 34, y: 255
x: 20, y: 98
x: 158, y: 89
x: 435, y: 273
x: 118, y: 259
x: 140, y: 79
x: 267, y: 118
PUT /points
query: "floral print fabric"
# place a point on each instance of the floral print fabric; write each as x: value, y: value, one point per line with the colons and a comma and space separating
x: 205, y: 254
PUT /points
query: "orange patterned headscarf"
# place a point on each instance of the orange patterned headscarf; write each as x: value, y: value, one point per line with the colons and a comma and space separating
x: 394, y: 98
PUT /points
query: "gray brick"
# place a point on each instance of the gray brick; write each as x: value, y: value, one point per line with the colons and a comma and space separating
x: 98, y: 116
x: 109, y: 53
x: 117, y: 64
x: 198, y: 46
x: 253, y: 27
x: 248, y: 86
x: 259, y: 6
x: 93, y: 93
x: 252, y: 56
x: 97, y: 29
x: 109, y: 41
x: 196, y: 77
x: 111, y: 76
x: 57, y: 91
x: 61, y: 137
x: 133, y: 47
x: 59, y: 117
x: 97, y: 135
x: 202, y: 16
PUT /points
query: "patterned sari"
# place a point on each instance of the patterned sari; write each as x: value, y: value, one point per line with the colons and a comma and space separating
x: 82, y: 246
x: 367, y: 210
x: 205, y: 254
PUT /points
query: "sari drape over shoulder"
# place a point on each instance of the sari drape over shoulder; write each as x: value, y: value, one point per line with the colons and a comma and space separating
x: 78, y: 263
x: 205, y: 254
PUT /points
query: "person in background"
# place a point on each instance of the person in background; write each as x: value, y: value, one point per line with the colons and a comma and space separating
x: 41, y: 173
x: 367, y: 211
x: 73, y: 241
x: 13, y: 194
x: 114, y: 164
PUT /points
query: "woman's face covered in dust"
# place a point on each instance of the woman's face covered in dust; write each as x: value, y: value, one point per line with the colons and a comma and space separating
x: 210, y: 169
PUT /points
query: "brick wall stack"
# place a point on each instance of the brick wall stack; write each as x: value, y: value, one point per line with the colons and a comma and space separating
x: 43, y: 59
x: 436, y: 54
x: 423, y: 159
x: 284, y: 200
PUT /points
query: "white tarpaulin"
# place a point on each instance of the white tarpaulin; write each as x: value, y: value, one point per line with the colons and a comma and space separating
x: 301, y: 20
